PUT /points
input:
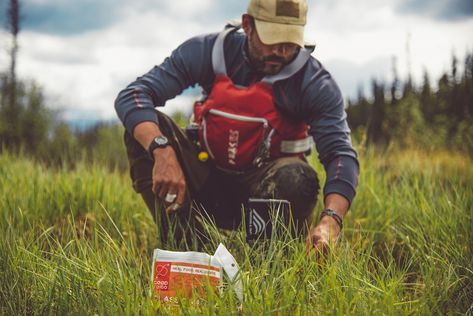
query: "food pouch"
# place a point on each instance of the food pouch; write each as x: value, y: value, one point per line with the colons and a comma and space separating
x: 180, y: 274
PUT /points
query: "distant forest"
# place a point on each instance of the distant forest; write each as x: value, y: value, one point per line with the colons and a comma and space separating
x: 402, y: 115
x: 398, y: 114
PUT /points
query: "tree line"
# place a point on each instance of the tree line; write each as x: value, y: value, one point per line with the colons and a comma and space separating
x: 31, y: 128
x: 428, y: 117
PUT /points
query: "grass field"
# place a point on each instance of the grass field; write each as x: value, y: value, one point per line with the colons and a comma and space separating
x: 80, y: 242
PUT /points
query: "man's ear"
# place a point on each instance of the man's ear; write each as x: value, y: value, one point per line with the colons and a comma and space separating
x: 246, y: 23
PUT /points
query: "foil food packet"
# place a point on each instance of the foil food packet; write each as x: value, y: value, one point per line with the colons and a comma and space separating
x: 178, y: 275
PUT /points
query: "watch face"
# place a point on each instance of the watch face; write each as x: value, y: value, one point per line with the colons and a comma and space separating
x: 161, y: 140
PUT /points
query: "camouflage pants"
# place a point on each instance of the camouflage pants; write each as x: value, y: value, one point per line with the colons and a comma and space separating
x: 221, y: 194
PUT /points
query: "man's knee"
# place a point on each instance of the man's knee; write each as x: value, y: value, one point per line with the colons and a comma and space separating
x: 295, y: 181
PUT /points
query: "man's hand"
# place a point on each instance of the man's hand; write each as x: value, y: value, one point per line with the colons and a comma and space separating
x: 168, y: 177
x: 325, y: 234
x: 322, y: 237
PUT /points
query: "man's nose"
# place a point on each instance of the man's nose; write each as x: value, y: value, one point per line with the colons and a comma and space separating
x: 279, y: 49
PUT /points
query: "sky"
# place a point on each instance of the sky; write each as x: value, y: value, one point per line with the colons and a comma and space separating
x: 83, y: 52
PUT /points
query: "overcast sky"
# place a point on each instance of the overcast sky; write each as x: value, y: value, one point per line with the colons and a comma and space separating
x: 83, y: 52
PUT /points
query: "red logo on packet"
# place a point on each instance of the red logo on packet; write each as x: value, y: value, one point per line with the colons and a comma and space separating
x: 162, y: 271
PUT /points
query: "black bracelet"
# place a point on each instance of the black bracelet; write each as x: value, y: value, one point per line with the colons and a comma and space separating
x: 334, y: 215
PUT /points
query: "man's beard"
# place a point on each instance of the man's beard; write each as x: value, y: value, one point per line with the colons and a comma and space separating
x: 261, y: 65
x: 260, y: 62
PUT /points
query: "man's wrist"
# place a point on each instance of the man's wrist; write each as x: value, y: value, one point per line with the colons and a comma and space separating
x: 330, y: 213
x: 336, y: 207
x: 158, y: 151
x: 159, y: 142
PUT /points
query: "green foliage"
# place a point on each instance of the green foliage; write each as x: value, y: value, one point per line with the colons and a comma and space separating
x: 421, y: 118
x: 181, y: 119
x: 80, y: 242
x: 30, y: 127
x: 405, y: 122
x: 103, y: 144
x: 378, y: 115
x: 62, y: 146
x: 35, y: 120
x: 26, y: 121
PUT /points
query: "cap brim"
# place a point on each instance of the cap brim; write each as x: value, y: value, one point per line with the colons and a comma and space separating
x: 276, y: 33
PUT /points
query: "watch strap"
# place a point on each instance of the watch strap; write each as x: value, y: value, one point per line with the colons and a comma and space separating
x: 334, y: 215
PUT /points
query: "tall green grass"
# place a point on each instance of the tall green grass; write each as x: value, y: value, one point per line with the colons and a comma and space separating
x: 80, y: 242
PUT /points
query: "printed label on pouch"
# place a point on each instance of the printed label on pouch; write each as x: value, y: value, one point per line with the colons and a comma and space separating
x: 161, y: 276
x: 195, y: 270
x: 181, y: 279
x: 183, y: 275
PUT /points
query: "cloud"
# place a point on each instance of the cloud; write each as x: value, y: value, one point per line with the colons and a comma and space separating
x: 68, y: 17
x: 72, y: 17
x: 447, y: 10
x: 351, y: 76
x: 226, y: 10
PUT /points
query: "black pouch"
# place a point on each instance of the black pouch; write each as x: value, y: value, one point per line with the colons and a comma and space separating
x: 261, y: 215
x: 192, y: 132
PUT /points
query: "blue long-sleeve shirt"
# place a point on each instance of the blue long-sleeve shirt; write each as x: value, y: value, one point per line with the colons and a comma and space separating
x: 310, y: 95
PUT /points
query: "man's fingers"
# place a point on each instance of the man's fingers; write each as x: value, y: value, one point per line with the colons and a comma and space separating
x: 174, y: 192
x: 322, y: 249
x: 181, y: 193
x: 319, y: 250
x: 313, y: 243
x: 172, y: 208
x: 162, y: 188
x: 309, y: 245
x: 317, y: 245
x: 156, y: 187
x: 178, y: 200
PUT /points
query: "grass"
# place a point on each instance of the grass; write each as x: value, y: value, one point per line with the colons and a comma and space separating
x: 80, y: 242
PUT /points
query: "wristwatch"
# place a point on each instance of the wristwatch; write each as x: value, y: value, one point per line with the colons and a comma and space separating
x: 158, y: 142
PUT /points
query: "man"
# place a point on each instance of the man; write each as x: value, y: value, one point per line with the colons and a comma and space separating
x: 262, y: 75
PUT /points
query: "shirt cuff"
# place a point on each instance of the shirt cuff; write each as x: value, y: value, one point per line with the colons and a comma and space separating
x: 138, y: 116
x: 341, y: 187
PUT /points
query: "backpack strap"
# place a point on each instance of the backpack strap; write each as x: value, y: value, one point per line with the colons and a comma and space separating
x: 290, y: 69
x: 233, y: 23
x: 218, y: 58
